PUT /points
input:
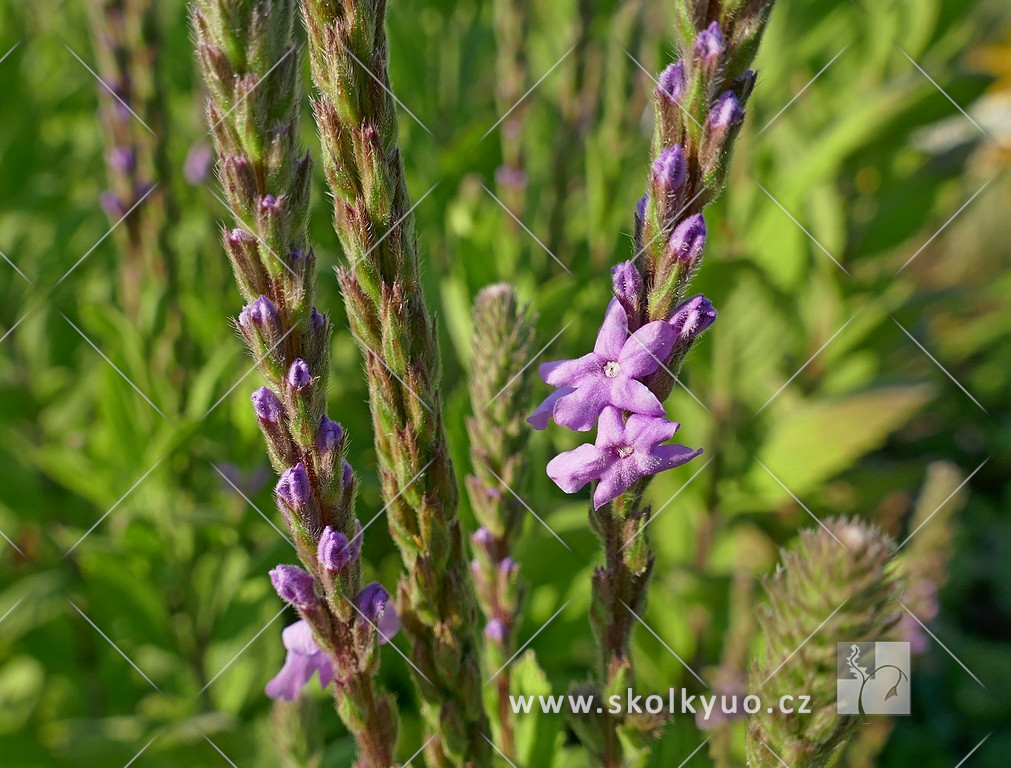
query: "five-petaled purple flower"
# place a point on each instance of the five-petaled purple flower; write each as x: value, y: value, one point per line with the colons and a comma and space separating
x: 623, y: 453
x: 304, y: 659
x: 609, y: 375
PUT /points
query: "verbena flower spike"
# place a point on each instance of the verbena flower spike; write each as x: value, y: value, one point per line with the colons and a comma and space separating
x: 651, y: 325
x: 356, y: 116
x: 249, y: 60
x: 500, y: 384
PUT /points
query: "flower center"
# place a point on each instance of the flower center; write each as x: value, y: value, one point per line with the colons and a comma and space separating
x: 612, y: 369
x: 624, y: 451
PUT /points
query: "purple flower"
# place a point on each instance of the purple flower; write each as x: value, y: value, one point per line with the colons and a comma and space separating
x: 293, y: 488
x: 303, y: 660
x: 670, y: 169
x: 375, y: 604
x: 692, y: 318
x: 622, y: 454
x: 482, y: 538
x: 329, y: 435
x: 640, y: 217
x: 267, y: 406
x: 710, y: 44
x: 508, y: 567
x: 111, y: 204
x: 688, y: 239
x: 294, y: 586
x: 334, y: 552
x: 609, y: 374
x: 316, y: 320
x: 671, y: 84
x: 261, y: 313
x: 299, y: 377
x: 347, y: 475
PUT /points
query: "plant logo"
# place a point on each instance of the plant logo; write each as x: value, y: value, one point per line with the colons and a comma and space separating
x: 872, y: 678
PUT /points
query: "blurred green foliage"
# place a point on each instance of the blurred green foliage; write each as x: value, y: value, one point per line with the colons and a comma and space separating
x: 871, y: 159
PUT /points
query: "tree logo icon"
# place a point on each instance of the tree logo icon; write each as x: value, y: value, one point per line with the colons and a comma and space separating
x: 872, y: 678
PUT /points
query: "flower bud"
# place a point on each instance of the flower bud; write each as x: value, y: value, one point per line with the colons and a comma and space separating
x: 333, y: 552
x: 121, y: 159
x: 293, y: 489
x: 347, y: 475
x: 725, y: 113
x: 692, y: 318
x: 270, y: 203
x: 294, y: 586
x: 497, y: 632
x: 743, y: 85
x: 669, y: 171
x: 376, y: 606
x: 261, y: 314
x: 628, y: 289
x: 267, y: 406
x: 671, y: 84
x: 688, y: 240
x: 710, y: 44
x: 329, y: 436
x: 298, y: 377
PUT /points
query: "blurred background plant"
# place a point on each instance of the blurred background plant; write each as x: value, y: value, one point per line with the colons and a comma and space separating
x: 811, y: 395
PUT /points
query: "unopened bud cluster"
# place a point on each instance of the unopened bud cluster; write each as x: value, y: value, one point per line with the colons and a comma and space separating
x: 699, y: 102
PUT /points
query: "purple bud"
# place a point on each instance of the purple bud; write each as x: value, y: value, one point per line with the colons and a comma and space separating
x: 270, y: 203
x: 316, y: 320
x: 688, y: 239
x: 122, y: 159
x: 294, y: 586
x: 482, y: 537
x: 375, y: 604
x: 296, y: 255
x: 299, y: 377
x: 261, y: 313
x: 725, y: 113
x: 197, y: 164
x: 267, y: 406
x: 240, y: 237
x: 508, y: 567
x: 692, y: 318
x: 111, y: 204
x: 710, y: 44
x: 669, y: 170
x: 347, y: 475
x: 509, y: 177
x: 744, y: 84
x: 333, y: 551
x: 329, y: 435
x: 640, y: 211
x: 293, y: 488
x: 496, y: 631
x: 628, y: 287
x: 671, y: 84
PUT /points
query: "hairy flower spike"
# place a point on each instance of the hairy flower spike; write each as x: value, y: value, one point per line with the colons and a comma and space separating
x: 357, y: 119
x: 834, y: 585
x: 249, y: 57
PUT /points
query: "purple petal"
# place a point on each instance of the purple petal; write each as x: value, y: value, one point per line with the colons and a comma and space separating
x: 646, y: 349
x: 539, y: 418
x: 375, y: 604
x: 288, y: 683
x: 298, y: 638
x: 614, y: 481
x: 573, y: 469
x: 610, y: 429
x: 293, y: 585
x: 571, y: 373
x: 580, y: 409
x: 664, y: 457
x: 613, y: 332
x: 634, y: 396
x: 645, y: 432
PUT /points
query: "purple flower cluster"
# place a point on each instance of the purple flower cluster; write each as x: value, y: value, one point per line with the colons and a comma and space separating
x: 609, y: 388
